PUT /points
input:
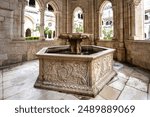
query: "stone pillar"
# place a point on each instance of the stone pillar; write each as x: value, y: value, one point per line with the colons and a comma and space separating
x: 136, y: 20
x: 19, y: 36
x: 85, y: 22
x: 100, y: 24
x: 52, y: 34
x: 22, y: 18
x: 114, y: 9
x: 57, y: 15
x: 42, y: 36
x: 118, y: 32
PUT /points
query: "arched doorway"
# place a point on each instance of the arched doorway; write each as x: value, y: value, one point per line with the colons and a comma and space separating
x: 28, y: 33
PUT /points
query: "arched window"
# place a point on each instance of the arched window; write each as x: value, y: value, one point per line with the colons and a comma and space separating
x: 50, y: 22
x: 106, y: 21
x: 28, y: 33
x: 78, y: 21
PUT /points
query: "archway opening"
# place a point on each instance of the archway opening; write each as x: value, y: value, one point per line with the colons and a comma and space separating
x: 32, y: 18
x: 78, y: 20
x: 106, y: 21
x: 28, y: 33
x: 147, y: 19
x: 50, y: 22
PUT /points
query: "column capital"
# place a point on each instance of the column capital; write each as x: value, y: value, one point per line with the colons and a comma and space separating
x: 134, y: 2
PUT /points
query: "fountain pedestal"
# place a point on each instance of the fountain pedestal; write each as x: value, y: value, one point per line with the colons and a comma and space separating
x: 75, y: 40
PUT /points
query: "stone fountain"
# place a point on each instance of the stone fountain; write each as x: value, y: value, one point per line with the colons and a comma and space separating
x: 75, y: 69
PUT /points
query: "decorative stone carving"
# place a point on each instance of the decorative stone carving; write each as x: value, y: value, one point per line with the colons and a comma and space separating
x: 59, y: 71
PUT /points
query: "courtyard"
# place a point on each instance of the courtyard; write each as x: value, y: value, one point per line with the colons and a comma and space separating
x: 17, y: 83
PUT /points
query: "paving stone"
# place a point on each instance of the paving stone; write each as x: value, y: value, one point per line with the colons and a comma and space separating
x: 109, y: 93
x: 125, y: 72
x: 27, y: 94
x: 8, y: 92
x: 142, y: 71
x: 130, y: 93
x: 117, y: 85
x: 50, y: 95
x: 20, y: 70
x: 22, y: 79
x: 149, y: 89
x: 0, y: 76
x: 98, y: 97
x: 1, y: 92
x: 148, y: 96
x: 140, y: 76
x: 117, y: 66
x: 70, y: 97
x: 138, y: 84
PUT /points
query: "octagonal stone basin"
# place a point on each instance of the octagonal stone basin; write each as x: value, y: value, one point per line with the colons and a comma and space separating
x: 83, y: 74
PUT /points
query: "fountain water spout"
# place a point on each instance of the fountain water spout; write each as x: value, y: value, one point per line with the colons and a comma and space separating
x: 75, y: 40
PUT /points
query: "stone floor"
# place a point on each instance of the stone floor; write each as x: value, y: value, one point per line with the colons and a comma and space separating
x: 16, y: 83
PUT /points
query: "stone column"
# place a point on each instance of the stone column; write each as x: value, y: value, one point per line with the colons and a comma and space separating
x: 136, y: 20
x: 114, y: 8
x: 19, y: 36
x: 52, y: 34
x: 100, y: 24
x: 22, y: 18
x: 57, y: 15
x: 85, y: 22
x: 42, y: 36
x: 118, y: 31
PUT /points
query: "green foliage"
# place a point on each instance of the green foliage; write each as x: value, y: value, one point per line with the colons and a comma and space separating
x: 79, y: 28
x: 107, y: 34
x: 47, y: 32
x: 32, y: 38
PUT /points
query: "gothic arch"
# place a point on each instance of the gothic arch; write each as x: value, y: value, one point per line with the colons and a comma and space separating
x: 28, y: 32
x: 77, y: 9
x: 53, y: 4
x: 100, y: 24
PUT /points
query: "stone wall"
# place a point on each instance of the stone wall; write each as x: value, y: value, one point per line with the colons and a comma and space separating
x: 138, y: 53
x: 13, y: 47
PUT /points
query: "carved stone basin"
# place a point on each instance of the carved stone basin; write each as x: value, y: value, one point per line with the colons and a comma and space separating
x: 83, y: 74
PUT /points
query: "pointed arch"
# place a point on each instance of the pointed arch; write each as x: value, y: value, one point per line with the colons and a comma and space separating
x: 106, y: 17
x: 78, y: 20
x: 54, y: 5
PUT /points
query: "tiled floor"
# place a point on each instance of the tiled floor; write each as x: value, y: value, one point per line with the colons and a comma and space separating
x: 16, y: 83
